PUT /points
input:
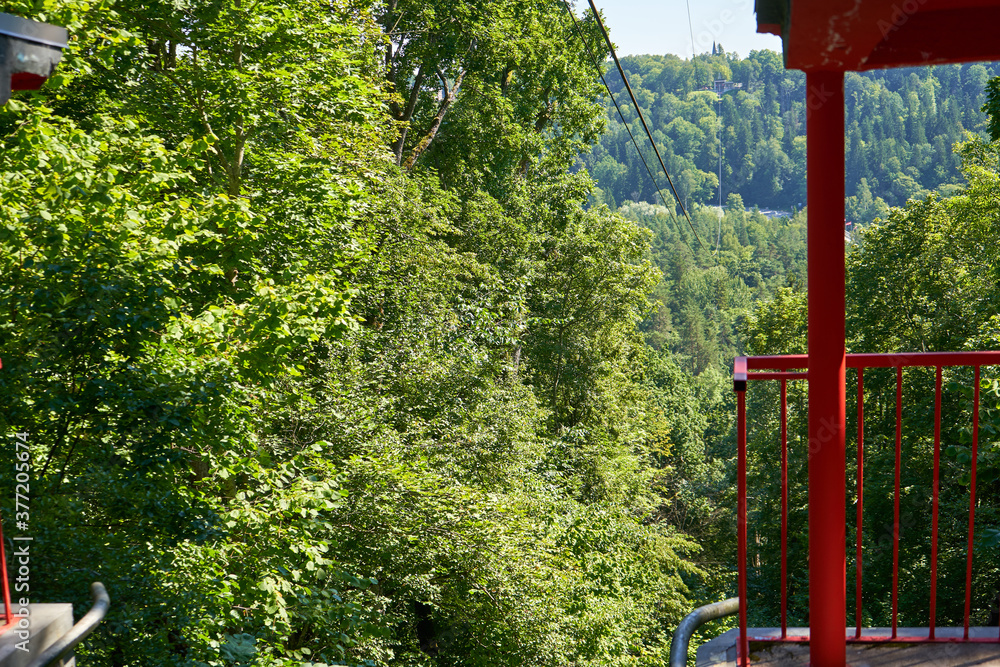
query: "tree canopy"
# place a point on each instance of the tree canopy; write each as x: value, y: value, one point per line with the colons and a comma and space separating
x: 323, y: 355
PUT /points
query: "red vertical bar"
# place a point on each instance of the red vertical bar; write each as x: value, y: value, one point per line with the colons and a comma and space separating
x: 861, y: 495
x: 895, y: 502
x: 743, y: 654
x: 972, y: 500
x: 934, y: 506
x: 784, y: 508
x: 827, y: 363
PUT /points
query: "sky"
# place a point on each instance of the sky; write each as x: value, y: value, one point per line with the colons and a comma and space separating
x: 661, y: 26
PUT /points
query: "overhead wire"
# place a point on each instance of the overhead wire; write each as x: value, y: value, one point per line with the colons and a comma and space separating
x: 600, y: 72
x: 645, y: 126
x: 691, y: 29
x: 718, y: 135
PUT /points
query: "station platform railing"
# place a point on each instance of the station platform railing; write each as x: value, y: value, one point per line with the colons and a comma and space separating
x: 791, y: 368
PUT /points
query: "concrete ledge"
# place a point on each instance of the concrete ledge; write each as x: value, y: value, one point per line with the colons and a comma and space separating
x: 721, y: 651
x: 47, y: 623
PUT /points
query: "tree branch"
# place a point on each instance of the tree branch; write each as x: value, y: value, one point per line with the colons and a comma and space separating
x: 438, y: 118
x: 406, y: 114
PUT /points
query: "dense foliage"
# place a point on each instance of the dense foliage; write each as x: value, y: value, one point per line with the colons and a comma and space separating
x: 319, y: 361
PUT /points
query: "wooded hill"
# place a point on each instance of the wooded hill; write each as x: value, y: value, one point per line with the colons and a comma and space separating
x: 900, y: 126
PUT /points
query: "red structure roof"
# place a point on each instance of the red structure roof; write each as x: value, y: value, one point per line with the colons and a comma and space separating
x: 849, y: 35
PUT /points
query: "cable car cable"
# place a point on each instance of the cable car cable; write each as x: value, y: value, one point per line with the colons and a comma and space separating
x: 621, y: 71
x: 600, y: 72
x: 691, y: 29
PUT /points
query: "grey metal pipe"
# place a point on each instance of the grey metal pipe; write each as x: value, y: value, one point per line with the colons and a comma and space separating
x: 78, y: 632
x: 693, y: 621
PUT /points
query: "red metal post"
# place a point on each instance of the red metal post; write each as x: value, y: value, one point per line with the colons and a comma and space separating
x: 743, y: 652
x: 895, y: 502
x: 827, y: 363
x: 740, y: 374
x: 934, y: 506
x: 861, y: 502
x: 784, y: 508
x: 972, y: 500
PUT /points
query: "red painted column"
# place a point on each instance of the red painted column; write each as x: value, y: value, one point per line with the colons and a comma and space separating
x: 827, y: 399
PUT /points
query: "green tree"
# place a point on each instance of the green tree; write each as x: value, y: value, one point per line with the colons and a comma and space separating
x: 488, y: 86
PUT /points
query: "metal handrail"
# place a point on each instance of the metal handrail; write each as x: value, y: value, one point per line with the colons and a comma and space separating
x: 78, y: 632
x: 693, y: 621
x: 785, y: 368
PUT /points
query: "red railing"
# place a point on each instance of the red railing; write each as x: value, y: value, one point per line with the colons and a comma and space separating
x: 789, y: 368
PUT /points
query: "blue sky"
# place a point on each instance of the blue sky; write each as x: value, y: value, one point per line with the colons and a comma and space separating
x: 661, y: 26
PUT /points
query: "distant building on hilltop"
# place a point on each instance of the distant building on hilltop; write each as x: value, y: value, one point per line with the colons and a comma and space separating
x: 722, y: 86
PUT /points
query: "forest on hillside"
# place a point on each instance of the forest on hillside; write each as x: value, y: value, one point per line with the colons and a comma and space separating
x: 345, y: 332
x: 901, y: 125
